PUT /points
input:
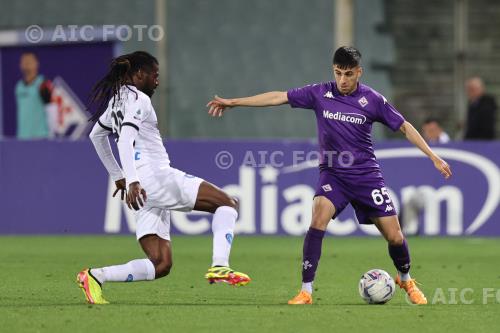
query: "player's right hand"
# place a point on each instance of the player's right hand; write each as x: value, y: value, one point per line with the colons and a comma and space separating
x: 218, y: 105
x: 121, y: 186
x: 135, y: 192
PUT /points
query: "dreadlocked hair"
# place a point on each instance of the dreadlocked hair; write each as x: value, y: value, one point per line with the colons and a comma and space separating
x: 120, y: 74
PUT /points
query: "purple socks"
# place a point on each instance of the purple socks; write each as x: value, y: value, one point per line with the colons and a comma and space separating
x: 311, y: 253
x: 400, y: 257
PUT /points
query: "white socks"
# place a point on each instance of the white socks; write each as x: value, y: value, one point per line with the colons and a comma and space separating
x: 307, y: 286
x: 135, y: 270
x: 404, y: 276
x: 222, y: 228
x: 143, y: 269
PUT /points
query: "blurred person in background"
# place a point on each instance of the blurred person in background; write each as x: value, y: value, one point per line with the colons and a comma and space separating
x: 33, y: 92
x: 480, y: 113
x: 433, y: 132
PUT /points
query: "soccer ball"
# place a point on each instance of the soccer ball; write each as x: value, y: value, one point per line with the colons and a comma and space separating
x: 376, y: 287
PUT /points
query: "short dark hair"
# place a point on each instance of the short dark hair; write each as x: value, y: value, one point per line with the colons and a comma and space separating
x: 347, y: 57
x: 29, y: 53
x: 429, y: 120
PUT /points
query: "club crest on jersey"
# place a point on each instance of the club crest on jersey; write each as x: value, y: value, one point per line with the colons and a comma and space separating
x: 363, y: 101
x: 329, y: 95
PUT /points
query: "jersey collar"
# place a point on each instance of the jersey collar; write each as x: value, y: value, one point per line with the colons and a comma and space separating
x: 336, y: 92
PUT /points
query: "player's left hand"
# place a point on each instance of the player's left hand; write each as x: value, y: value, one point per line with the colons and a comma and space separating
x: 136, y: 196
x: 442, y: 167
x: 121, y: 186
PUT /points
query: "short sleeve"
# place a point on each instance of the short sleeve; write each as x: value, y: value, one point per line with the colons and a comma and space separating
x: 137, y: 110
x: 301, y: 97
x: 388, y: 115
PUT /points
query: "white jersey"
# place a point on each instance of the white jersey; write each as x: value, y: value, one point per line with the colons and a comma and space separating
x: 134, y: 109
x: 144, y: 159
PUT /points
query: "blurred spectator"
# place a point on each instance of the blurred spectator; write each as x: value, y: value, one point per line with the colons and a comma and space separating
x: 480, y: 113
x: 433, y: 132
x: 415, y: 204
x: 32, y: 93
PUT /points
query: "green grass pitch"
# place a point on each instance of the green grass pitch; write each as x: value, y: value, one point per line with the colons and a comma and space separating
x: 38, y: 292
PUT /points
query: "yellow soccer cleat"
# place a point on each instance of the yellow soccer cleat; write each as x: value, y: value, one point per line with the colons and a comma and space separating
x: 225, y: 274
x: 91, y: 287
x: 414, y: 293
x: 302, y: 298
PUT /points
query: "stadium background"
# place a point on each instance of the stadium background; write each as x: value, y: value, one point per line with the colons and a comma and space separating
x: 417, y: 53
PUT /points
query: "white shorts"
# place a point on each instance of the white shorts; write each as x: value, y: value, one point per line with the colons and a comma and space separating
x: 166, y: 189
x: 152, y: 221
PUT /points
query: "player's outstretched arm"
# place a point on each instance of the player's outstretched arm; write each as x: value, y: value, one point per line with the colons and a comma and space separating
x: 218, y: 105
x: 414, y: 137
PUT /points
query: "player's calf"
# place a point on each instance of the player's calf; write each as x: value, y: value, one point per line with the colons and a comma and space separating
x: 400, y: 255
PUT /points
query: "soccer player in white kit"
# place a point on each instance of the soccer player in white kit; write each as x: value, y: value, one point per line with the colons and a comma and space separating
x: 152, y: 187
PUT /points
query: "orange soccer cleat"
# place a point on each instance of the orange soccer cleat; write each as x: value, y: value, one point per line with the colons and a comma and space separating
x: 414, y: 293
x: 302, y: 298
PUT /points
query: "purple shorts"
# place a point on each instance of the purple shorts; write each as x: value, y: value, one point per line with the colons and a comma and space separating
x: 366, y: 193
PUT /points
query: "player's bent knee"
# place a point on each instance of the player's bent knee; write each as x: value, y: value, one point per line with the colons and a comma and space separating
x: 320, y: 224
x: 234, y: 203
x: 163, y: 269
x: 162, y: 265
x: 396, y: 239
x: 229, y: 201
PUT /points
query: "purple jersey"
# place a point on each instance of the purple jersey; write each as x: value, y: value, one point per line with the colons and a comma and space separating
x: 345, y: 124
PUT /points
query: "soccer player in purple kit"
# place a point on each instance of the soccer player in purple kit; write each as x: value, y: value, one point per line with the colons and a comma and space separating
x: 345, y: 111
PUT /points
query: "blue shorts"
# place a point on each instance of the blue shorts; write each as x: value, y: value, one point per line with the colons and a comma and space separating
x: 366, y: 193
